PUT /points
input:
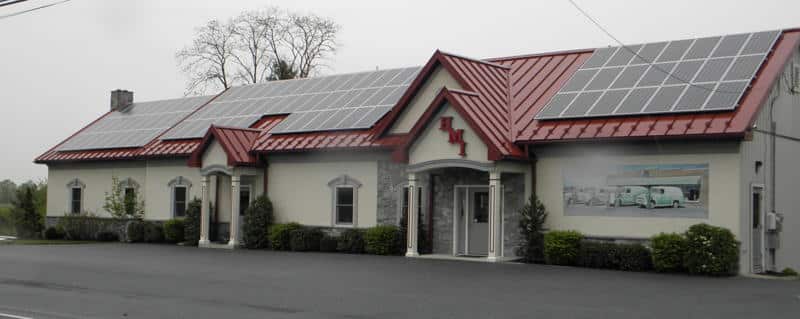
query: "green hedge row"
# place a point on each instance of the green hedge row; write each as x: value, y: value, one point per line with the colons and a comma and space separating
x: 378, y: 240
x: 702, y: 250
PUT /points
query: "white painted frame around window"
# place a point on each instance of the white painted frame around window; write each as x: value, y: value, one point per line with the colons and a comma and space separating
x: 344, y: 181
x: 75, y: 184
x: 179, y: 181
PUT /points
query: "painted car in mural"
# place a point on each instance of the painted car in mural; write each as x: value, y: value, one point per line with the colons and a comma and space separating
x: 661, y: 196
x: 599, y: 188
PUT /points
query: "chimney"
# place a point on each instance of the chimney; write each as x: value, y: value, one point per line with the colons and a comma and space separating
x: 121, y: 99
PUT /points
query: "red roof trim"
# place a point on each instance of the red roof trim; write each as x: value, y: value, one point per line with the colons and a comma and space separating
x: 236, y: 142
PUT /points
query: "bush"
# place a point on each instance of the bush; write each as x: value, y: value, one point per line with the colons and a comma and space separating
x: 28, y: 223
x: 633, y: 257
x: 83, y: 226
x: 789, y: 272
x: 711, y: 251
x: 305, y: 239
x: 53, y: 233
x: 257, y: 220
x: 597, y: 255
x: 328, y: 243
x: 107, y: 236
x: 191, y: 223
x: 561, y: 247
x: 7, y: 222
x: 280, y: 235
x: 382, y: 240
x: 153, y: 233
x: 173, y: 230
x: 669, y: 252
x: 136, y: 231
x: 351, y: 241
x: 531, y: 221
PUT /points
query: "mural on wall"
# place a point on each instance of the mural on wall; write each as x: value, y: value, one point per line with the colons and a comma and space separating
x: 657, y: 190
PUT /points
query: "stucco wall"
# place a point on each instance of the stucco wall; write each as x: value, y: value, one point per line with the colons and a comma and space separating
x: 215, y: 155
x: 723, y: 207
x: 784, y: 103
x: 152, y: 176
x: 433, y: 143
x: 298, y: 185
x: 439, y: 78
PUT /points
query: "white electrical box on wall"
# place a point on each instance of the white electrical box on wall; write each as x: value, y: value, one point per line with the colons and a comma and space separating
x: 772, y: 221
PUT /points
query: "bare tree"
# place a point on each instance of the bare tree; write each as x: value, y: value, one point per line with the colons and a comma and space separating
x: 308, y: 39
x: 207, y: 61
x: 257, y: 46
x: 253, y: 45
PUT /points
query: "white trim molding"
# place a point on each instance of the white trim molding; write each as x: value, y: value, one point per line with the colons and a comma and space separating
x: 73, y: 184
x: 176, y: 182
x: 344, y: 181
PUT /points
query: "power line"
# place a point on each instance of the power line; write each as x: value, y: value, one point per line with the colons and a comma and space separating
x: 791, y: 138
x: 10, y: 2
x: 31, y: 9
x: 651, y: 63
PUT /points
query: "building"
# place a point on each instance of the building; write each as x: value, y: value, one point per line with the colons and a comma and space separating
x: 619, y: 143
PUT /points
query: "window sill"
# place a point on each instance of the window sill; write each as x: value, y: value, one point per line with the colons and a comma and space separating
x: 343, y: 226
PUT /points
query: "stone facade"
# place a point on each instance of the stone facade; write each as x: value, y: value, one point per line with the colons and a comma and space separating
x: 391, y: 175
x: 444, y: 181
x: 513, y: 200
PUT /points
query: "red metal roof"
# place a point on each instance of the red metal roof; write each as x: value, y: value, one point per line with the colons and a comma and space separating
x: 237, y: 143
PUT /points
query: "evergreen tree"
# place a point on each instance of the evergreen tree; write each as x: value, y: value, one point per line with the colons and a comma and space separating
x: 27, y: 220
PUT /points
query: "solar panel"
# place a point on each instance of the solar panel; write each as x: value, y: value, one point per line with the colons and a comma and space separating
x: 694, y: 75
x: 134, y: 126
x: 345, y: 101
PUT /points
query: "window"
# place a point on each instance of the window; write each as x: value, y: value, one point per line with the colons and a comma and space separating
x: 179, y: 201
x: 76, y: 200
x: 344, y: 208
x: 130, y: 200
x: 179, y: 190
x: 244, y: 199
x: 344, y: 205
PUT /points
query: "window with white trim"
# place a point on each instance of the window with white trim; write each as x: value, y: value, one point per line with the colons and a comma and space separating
x: 76, y: 200
x: 245, y: 198
x: 75, y: 190
x: 179, y: 194
x: 344, y: 210
x: 344, y: 205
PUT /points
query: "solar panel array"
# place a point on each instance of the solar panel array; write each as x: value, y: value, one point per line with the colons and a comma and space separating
x: 133, y: 126
x: 706, y: 74
x: 338, y: 102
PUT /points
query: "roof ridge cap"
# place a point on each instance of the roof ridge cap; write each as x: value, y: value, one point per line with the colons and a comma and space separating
x: 489, y: 63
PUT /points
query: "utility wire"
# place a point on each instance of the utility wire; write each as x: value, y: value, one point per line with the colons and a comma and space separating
x: 791, y: 138
x: 9, y: 2
x: 651, y: 63
x: 31, y: 9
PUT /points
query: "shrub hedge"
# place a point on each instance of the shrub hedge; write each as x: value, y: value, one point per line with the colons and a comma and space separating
x: 305, y: 239
x: 84, y: 226
x: 382, y: 240
x: 173, y: 230
x: 328, y: 243
x: 351, y: 241
x: 153, y: 232
x: 280, y: 235
x: 53, y: 233
x: 257, y: 220
x: 711, y: 250
x: 597, y: 255
x: 107, y: 236
x: 136, y: 231
x: 561, y: 247
x: 669, y: 252
x: 633, y: 257
x: 191, y: 223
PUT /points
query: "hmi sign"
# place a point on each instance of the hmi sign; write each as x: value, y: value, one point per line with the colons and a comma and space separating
x: 454, y: 136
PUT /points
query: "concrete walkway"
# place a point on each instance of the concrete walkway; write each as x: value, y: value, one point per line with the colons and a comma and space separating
x: 154, y: 281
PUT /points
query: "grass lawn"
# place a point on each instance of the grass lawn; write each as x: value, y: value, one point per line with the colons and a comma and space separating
x: 46, y: 242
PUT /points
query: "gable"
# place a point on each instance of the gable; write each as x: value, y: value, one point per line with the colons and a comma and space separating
x: 419, y: 103
x: 214, y: 155
x: 434, y: 142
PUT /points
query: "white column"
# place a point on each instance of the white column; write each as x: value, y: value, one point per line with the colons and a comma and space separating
x: 495, y: 241
x: 234, y: 232
x: 204, y: 213
x: 411, y: 246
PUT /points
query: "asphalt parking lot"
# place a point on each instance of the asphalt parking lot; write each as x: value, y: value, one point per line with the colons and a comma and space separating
x: 159, y: 281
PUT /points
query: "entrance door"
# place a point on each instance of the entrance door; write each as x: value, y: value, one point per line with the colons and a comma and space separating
x: 757, y: 231
x: 478, y: 222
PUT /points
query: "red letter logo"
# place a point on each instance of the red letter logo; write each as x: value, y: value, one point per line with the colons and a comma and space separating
x: 453, y: 136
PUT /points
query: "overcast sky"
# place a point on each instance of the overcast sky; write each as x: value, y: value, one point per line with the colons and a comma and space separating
x: 58, y: 65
